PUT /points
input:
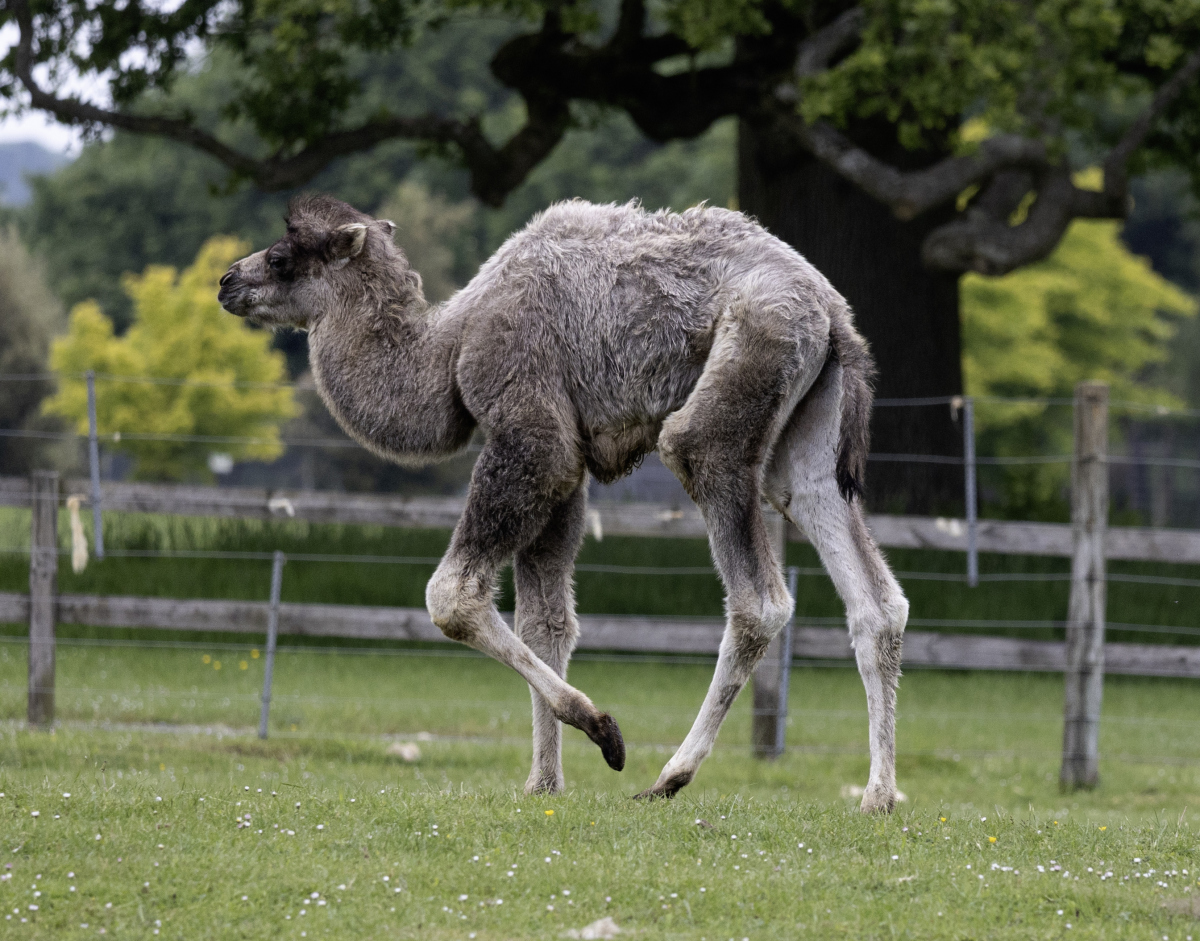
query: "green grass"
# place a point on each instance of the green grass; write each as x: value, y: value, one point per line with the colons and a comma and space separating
x: 184, y: 862
x: 971, y: 746
x: 371, y: 693
x: 147, y: 715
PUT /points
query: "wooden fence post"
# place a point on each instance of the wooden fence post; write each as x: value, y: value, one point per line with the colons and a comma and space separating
x: 43, y: 595
x: 1085, y: 614
x: 769, y: 717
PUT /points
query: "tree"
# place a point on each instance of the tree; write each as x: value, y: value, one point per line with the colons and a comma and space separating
x: 858, y: 122
x: 30, y: 315
x: 179, y: 332
x: 1092, y: 310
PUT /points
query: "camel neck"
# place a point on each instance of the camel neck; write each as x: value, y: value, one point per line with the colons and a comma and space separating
x: 389, y: 381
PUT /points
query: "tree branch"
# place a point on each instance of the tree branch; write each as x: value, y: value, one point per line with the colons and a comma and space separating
x: 983, y: 241
x: 912, y: 193
x: 1117, y: 162
x: 494, y: 171
x: 980, y: 241
x: 819, y: 49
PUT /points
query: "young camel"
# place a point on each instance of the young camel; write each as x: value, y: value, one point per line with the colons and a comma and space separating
x: 592, y: 336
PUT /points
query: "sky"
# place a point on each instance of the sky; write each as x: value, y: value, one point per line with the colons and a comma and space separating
x: 37, y: 127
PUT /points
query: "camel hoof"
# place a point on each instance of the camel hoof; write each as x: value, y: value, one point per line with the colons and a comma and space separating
x: 543, y: 788
x: 607, y: 735
x: 665, y: 789
x: 878, y: 801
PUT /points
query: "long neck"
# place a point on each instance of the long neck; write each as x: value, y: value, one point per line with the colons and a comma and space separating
x: 388, y: 379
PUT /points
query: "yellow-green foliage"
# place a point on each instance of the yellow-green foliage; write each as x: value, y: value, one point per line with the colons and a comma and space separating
x: 1091, y: 310
x: 179, y: 332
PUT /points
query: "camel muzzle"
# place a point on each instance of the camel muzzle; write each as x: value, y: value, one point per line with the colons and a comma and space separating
x: 231, y: 293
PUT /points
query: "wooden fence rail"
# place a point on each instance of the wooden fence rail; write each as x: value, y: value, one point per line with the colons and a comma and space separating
x: 627, y: 634
x: 617, y: 519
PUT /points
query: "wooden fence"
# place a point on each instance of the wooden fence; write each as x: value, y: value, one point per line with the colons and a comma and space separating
x: 616, y: 519
x: 1084, y: 657
x: 626, y: 634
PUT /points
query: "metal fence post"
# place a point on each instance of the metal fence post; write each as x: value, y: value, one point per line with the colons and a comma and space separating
x: 769, y: 717
x: 272, y: 633
x: 43, y: 593
x: 972, y: 499
x: 785, y: 661
x: 94, y: 463
x: 1085, y: 616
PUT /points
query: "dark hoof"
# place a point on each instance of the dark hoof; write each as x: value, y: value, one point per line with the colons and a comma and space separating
x: 666, y: 790
x: 607, y: 735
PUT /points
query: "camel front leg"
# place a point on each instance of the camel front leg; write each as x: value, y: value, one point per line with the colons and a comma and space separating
x: 460, y: 604
x: 545, y: 621
x: 516, y: 486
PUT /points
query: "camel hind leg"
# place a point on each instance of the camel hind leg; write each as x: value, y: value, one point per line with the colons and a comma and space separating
x: 801, y: 483
x: 545, y: 621
x: 717, y: 444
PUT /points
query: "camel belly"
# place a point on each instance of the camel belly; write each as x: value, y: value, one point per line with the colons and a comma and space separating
x: 611, y: 453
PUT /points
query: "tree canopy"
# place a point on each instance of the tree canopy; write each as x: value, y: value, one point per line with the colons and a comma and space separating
x: 916, y: 103
x: 30, y: 315
x: 1092, y: 310
x: 179, y: 332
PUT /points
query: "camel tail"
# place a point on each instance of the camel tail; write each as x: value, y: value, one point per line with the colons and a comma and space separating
x: 854, y: 434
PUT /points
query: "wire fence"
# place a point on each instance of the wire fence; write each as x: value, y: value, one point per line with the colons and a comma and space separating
x: 1143, y: 480
x: 968, y: 462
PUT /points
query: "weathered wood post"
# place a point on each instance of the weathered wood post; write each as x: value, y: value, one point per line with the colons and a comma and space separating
x: 43, y: 595
x: 1085, y: 614
x: 769, y: 720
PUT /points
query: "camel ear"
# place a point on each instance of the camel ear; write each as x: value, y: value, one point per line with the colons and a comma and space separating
x: 348, y: 241
x: 389, y: 225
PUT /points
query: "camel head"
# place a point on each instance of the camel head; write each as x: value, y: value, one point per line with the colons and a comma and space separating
x: 332, y: 257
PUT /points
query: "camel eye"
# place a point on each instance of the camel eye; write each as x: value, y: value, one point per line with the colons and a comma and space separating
x: 279, y: 265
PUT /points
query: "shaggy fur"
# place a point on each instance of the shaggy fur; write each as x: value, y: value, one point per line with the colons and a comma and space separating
x: 594, y: 335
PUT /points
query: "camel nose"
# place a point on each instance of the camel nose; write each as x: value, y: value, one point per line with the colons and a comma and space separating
x: 227, y: 277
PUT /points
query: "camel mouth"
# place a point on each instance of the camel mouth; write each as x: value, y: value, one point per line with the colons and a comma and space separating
x: 232, y: 300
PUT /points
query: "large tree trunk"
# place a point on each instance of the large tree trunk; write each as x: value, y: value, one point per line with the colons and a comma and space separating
x: 908, y: 313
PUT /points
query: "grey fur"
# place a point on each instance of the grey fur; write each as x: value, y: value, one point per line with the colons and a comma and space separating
x: 592, y: 336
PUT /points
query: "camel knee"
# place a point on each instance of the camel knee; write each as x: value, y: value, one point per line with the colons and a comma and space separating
x: 755, y: 619
x: 676, y: 449
x: 878, y: 639
x: 454, y: 601
x: 552, y: 635
x: 895, y: 610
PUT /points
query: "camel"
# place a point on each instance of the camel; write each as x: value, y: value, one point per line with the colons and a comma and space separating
x: 594, y: 335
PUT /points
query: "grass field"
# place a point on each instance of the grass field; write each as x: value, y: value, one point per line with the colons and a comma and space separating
x: 183, y: 824
x: 337, y: 814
